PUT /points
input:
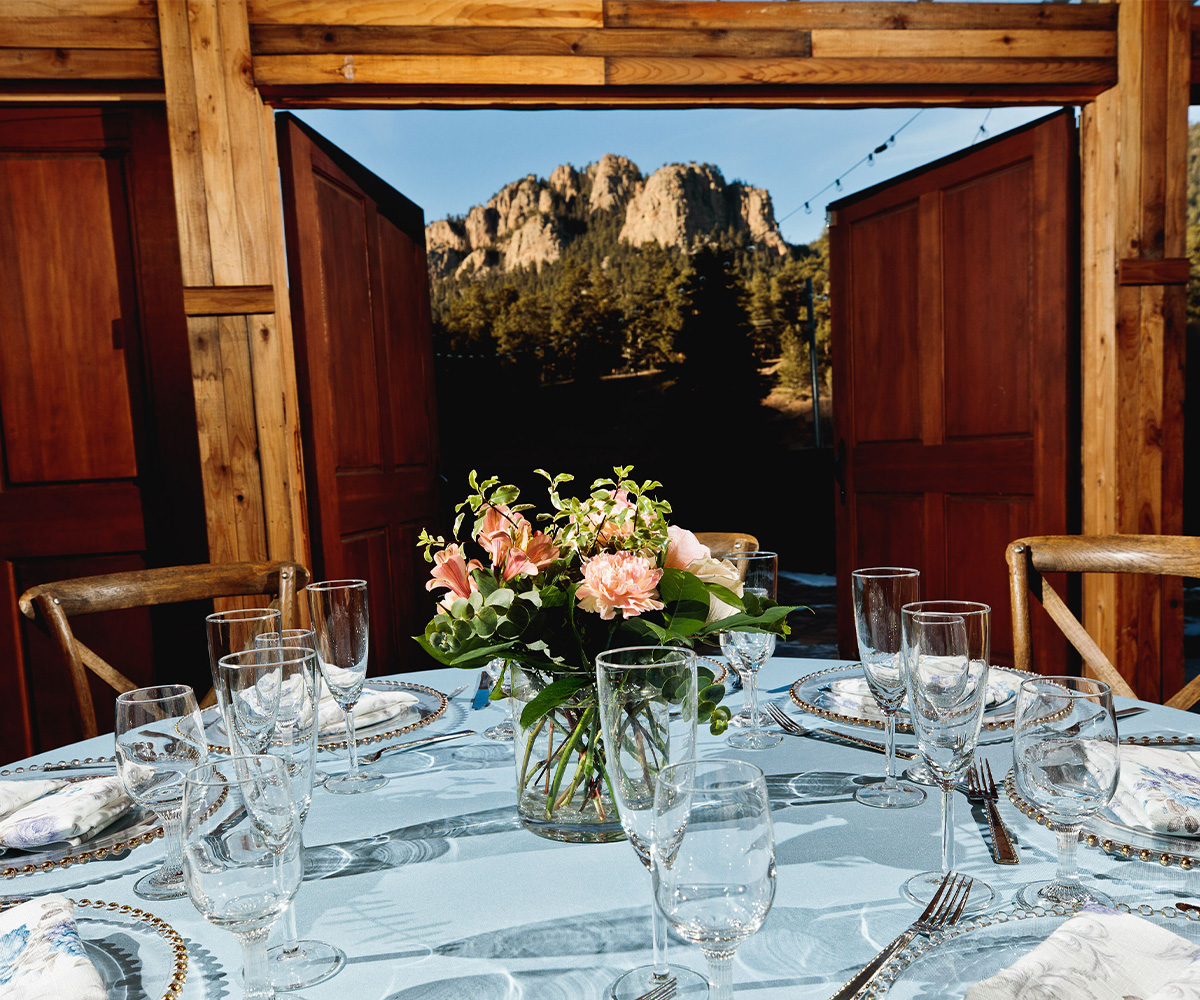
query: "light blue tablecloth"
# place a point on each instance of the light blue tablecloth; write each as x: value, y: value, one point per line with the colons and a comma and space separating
x: 434, y: 890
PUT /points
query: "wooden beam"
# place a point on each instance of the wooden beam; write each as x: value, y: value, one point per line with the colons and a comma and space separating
x: 847, y: 43
x: 80, y: 32
x: 80, y: 64
x: 486, y: 71
x: 460, y: 13
x: 227, y: 192
x: 1134, y: 205
x: 229, y: 300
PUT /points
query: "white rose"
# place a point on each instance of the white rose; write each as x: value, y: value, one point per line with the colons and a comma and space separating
x: 718, y: 571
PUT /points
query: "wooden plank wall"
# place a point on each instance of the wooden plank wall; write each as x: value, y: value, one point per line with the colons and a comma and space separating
x: 1134, y: 140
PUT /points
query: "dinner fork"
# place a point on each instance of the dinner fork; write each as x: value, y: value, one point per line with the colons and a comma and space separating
x: 943, y: 910
x: 981, y: 787
x: 793, y: 728
x: 425, y: 741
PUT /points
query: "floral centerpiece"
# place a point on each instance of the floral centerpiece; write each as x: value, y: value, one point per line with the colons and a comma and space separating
x: 546, y: 596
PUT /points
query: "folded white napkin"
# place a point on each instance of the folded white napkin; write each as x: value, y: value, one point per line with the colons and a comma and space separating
x: 1159, y: 790
x: 41, y: 956
x: 852, y: 695
x: 68, y: 814
x: 371, y: 708
x: 1100, y: 954
x: 17, y: 792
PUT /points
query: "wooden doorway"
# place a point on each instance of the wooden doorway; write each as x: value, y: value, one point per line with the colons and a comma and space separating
x: 364, y: 362
x: 101, y: 467
x: 955, y: 317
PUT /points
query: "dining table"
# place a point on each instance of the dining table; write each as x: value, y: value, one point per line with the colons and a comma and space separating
x: 435, y: 891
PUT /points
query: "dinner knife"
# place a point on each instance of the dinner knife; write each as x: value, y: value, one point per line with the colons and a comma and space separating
x: 484, y: 690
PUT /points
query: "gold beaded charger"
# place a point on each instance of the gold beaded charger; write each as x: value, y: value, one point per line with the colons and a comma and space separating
x: 1113, y: 837
x: 138, y: 955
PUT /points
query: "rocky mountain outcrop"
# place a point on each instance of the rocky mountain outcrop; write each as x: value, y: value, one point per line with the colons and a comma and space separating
x: 530, y: 222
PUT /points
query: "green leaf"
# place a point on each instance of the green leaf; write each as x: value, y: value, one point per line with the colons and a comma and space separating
x: 726, y: 595
x: 551, y: 696
x: 686, y: 602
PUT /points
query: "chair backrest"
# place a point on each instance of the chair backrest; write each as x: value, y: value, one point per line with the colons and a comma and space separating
x: 1029, y: 558
x: 724, y: 542
x: 51, y: 605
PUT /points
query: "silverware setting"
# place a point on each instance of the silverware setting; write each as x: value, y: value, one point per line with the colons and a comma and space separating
x: 456, y: 692
x: 793, y: 728
x: 664, y: 991
x: 943, y: 910
x: 425, y: 741
x: 981, y: 787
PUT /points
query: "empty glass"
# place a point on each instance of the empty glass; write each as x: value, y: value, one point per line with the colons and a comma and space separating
x: 879, y: 594
x: 1067, y: 762
x: 160, y: 737
x: 338, y: 609
x: 294, y: 637
x: 947, y: 645
x: 636, y: 689
x: 747, y: 651
x: 713, y: 854
x: 233, y: 632
x: 250, y: 685
x: 242, y: 856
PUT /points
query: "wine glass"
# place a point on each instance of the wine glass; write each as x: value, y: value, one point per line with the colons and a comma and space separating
x: 879, y: 594
x: 338, y: 609
x: 296, y: 637
x: 636, y: 688
x: 232, y: 632
x: 250, y: 686
x: 242, y: 855
x: 159, y: 736
x: 747, y: 651
x: 1067, y: 762
x: 946, y: 646
x: 713, y: 855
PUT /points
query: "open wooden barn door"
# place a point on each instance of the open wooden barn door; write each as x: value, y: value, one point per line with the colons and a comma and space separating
x: 955, y: 354
x: 364, y: 364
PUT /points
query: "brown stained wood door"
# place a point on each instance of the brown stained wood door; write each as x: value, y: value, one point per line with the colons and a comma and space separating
x: 100, y: 463
x: 955, y: 364
x: 364, y: 360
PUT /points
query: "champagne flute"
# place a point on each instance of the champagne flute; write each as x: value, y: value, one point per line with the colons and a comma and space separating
x: 879, y: 594
x: 296, y: 637
x: 947, y: 645
x: 1067, y: 762
x: 713, y: 855
x: 338, y: 609
x: 242, y: 856
x: 232, y: 632
x: 636, y: 688
x: 250, y: 685
x: 159, y: 737
x: 747, y: 651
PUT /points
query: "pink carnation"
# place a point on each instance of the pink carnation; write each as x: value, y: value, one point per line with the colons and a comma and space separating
x: 619, y: 581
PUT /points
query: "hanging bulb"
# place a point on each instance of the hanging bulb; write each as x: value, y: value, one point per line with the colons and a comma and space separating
x: 838, y: 183
x: 807, y: 209
x: 870, y: 159
x: 891, y: 140
x: 881, y: 148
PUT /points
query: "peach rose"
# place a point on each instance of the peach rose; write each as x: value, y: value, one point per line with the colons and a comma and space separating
x: 619, y: 581
x: 684, y: 548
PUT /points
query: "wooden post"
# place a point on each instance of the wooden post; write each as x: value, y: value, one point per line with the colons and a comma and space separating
x: 1134, y: 185
x: 239, y: 325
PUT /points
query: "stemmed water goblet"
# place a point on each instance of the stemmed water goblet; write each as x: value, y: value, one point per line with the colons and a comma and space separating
x: 159, y: 737
x: 286, y: 678
x: 1066, y: 759
x: 879, y: 594
x: 636, y: 688
x: 713, y: 855
x: 242, y: 856
x: 232, y: 632
x: 947, y: 645
x: 338, y: 609
x: 748, y: 650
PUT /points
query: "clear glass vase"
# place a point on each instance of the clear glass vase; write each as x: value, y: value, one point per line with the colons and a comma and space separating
x: 563, y: 790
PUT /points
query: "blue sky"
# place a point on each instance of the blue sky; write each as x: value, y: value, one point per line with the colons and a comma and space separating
x: 447, y: 161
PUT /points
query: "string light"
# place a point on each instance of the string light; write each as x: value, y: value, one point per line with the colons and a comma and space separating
x: 869, y: 159
x: 982, y: 131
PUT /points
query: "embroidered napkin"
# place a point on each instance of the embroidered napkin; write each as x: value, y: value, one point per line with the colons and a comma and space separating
x: 15, y: 793
x: 1100, y: 954
x: 69, y: 814
x: 1159, y: 790
x: 852, y: 695
x: 42, y: 956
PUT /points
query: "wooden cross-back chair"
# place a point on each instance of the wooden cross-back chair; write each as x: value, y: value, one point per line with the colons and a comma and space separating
x: 51, y: 606
x: 1029, y: 558
x: 724, y: 542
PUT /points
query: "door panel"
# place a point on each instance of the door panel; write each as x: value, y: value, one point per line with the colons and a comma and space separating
x: 955, y: 370
x: 101, y: 467
x: 364, y: 353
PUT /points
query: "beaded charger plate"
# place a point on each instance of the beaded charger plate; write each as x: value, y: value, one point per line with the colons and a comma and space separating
x: 136, y: 827
x: 138, y: 955
x: 430, y: 705
x: 947, y: 963
x: 1114, y: 837
x: 719, y: 669
x: 814, y: 694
